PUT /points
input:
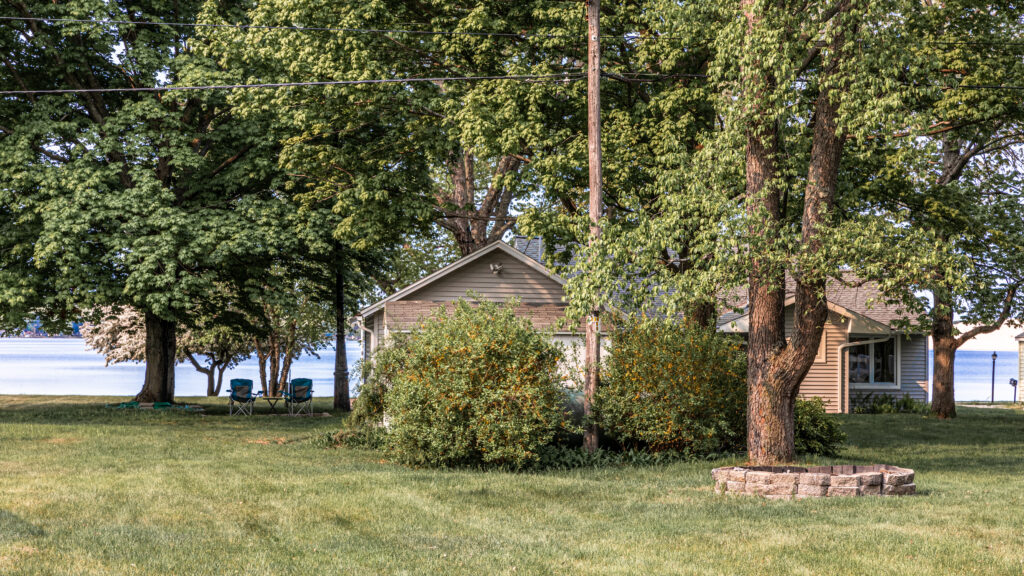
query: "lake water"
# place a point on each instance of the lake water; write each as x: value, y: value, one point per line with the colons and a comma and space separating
x: 64, y: 366
x: 972, y: 374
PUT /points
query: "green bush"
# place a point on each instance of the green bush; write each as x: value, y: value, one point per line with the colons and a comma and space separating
x: 816, y: 431
x: 479, y: 387
x: 871, y: 403
x: 670, y: 388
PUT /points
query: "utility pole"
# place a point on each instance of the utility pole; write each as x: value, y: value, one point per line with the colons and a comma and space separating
x: 592, y: 359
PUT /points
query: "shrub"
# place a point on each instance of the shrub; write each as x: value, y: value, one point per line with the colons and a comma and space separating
x: 670, y: 388
x: 479, y: 387
x: 888, y: 404
x: 816, y: 431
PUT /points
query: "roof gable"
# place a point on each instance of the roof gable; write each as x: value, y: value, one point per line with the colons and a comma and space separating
x: 467, y: 262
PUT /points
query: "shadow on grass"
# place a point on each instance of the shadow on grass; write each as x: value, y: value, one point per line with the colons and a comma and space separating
x: 992, y: 439
x: 98, y: 411
x: 13, y: 527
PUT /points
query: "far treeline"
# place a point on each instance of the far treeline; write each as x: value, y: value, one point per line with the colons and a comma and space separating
x: 744, y: 143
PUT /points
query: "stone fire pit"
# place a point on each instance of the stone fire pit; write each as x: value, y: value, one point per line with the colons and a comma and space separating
x: 786, y: 482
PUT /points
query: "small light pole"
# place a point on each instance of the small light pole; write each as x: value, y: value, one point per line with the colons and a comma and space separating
x: 993, y: 398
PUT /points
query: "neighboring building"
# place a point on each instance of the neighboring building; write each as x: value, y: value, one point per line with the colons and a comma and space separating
x: 861, y: 353
x: 1020, y: 368
x: 497, y: 272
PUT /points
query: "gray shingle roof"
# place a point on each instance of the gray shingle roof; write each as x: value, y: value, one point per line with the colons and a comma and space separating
x: 857, y: 296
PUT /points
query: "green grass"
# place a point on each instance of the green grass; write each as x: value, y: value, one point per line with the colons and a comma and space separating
x: 88, y: 490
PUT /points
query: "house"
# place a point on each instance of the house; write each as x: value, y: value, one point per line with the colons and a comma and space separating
x: 497, y: 272
x: 1020, y: 368
x: 861, y: 352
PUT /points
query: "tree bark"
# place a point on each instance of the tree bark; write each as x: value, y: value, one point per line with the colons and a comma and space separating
x: 775, y: 368
x: 262, y: 356
x: 945, y: 345
x: 341, y: 397
x: 161, y: 348
x: 220, y: 379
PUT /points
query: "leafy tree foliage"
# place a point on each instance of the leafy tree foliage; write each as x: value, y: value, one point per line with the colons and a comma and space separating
x: 120, y: 335
x: 960, y: 179
x: 147, y: 200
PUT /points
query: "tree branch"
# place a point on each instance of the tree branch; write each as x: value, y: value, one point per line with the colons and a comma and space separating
x: 1004, y: 315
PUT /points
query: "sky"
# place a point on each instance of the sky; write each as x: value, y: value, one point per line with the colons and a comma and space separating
x: 1001, y: 340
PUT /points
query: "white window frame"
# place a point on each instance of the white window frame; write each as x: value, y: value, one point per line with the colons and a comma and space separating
x: 872, y: 385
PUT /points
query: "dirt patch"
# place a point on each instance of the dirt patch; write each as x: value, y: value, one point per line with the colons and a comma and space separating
x: 267, y: 441
x: 62, y: 440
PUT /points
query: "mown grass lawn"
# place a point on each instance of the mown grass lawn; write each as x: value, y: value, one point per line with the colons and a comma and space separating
x: 88, y: 490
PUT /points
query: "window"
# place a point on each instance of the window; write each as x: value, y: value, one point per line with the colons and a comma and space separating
x: 874, y: 365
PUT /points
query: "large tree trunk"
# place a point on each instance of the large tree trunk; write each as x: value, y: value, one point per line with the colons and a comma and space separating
x: 945, y: 344
x: 775, y: 368
x: 341, y: 398
x: 161, y: 345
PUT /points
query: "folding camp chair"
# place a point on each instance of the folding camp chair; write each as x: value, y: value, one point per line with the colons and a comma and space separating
x: 241, y: 397
x: 299, y: 396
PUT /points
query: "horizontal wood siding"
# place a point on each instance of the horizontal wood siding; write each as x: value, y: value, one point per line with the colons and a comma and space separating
x: 914, y: 367
x: 407, y: 314
x: 516, y: 279
x: 822, y: 379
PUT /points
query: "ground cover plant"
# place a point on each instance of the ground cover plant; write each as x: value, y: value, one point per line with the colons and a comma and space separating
x: 88, y: 491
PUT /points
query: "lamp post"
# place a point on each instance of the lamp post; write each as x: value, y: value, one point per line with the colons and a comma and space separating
x: 993, y: 397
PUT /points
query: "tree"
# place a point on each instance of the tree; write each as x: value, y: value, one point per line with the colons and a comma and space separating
x: 145, y: 200
x: 469, y: 146
x: 793, y: 102
x: 120, y: 335
x: 966, y: 184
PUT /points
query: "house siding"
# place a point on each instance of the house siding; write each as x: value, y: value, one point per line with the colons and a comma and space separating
x: 822, y: 379
x: 516, y: 279
x: 1020, y: 371
x: 914, y: 367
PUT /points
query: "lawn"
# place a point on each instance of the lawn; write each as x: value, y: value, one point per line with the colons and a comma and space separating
x: 89, y: 490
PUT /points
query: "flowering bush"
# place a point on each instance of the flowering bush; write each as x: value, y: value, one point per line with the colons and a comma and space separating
x: 670, y: 388
x: 479, y: 387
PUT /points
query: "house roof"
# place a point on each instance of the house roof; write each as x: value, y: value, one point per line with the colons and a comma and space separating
x: 1020, y: 337
x: 461, y: 262
x: 861, y: 301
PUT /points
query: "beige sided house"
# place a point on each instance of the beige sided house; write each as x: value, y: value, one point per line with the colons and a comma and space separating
x: 1020, y: 368
x: 497, y: 272
x: 860, y: 351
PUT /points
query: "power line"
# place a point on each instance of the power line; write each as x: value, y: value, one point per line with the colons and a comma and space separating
x: 526, y: 77
x: 296, y: 28
x: 524, y: 34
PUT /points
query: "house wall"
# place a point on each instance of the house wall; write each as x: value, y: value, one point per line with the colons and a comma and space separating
x: 822, y: 379
x: 914, y: 367
x: 515, y: 279
x: 1020, y: 370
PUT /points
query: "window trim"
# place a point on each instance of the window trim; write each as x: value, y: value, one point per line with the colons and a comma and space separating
x: 872, y: 385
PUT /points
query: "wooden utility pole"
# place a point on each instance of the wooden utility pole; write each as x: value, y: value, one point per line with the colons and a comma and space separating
x: 592, y: 360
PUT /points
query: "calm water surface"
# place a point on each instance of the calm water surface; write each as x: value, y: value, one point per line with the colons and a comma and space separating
x: 64, y: 366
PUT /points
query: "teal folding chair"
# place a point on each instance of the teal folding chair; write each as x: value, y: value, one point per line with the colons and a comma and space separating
x: 241, y: 397
x: 299, y: 397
